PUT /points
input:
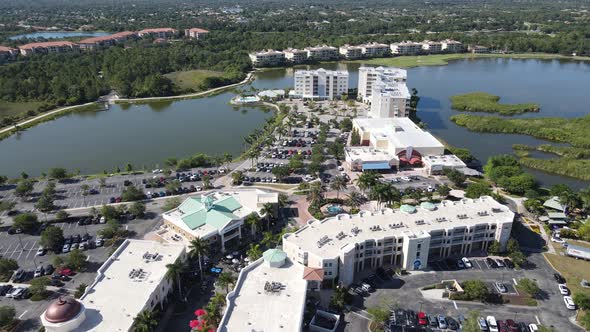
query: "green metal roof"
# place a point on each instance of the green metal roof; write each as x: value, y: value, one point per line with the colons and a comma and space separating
x: 274, y: 255
x: 553, y: 203
x: 195, y: 212
x: 427, y: 206
x: 407, y: 208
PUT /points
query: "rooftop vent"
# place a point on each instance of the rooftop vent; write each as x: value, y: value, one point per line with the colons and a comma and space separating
x: 462, y: 216
x: 420, y: 222
x: 482, y: 213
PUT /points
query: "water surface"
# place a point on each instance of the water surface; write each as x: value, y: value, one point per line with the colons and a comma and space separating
x: 59, y: 34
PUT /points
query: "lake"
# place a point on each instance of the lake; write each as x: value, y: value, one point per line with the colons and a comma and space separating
x: 59, y: 34
x: 148, y: 134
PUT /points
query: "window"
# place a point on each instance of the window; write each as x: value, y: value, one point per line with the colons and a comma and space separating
x: 419, y: 246
x: 418, y: 254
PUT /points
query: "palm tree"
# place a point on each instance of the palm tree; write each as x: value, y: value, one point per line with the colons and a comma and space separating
x: 173, y: 272
x: 315, y: 194
x: 237, y: 177
x: 84, y: 188
x: 283, y: 200
x: 584, y: 197
x: 254, y: 252
x: 198, y: 247
x: 268, y: 239
x: 225, y: 279
x: 355, y: 199
x: 227, y: 158
x: 145, y: 322
x: 338, y: 184
x: 568, y: 199
x: 206, y: 182
x: 254, y: 221
x: 366, y: 180
x: 268, y: 211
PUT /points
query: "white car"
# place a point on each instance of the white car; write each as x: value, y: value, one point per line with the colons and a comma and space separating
x: 102, y: 220
x: 340, y: 168
x: 15, y: 293
x: 563, y: 290
x: 40, y: 251
x: 492, y: 325
x: 501, y: 287
x: 533, y: 328
x: 569, y: 303
x: 467, y: 262
x: 157, y: 171
x: 557, y: 240
x: 405, y: 178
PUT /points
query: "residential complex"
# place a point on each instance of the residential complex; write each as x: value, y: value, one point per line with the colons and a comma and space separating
x: 7, y: 53
x: 48, y: 47
x: 133, y: 279
x: 267, y: 58
x: 196, y: 33
x: 406, y: 238
x: 349, y: 52
x: 217, y: 217
x: 369, y: 75
x: 320, y: 84
x: 158, y: 33
x: 389, y: 99
x: 477, y: 49
x: 105, y: 41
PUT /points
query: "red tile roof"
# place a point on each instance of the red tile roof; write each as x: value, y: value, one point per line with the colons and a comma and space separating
x: 47, y: 44
x: 95, y: 40
x: 311, y: 273
x: 156, y: 30
x: 7, y: 49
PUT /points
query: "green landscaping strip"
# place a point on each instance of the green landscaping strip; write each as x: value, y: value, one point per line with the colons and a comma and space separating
x: 485, y: 102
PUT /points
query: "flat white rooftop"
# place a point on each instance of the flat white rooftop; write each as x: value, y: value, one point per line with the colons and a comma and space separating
x: 401, y: 132
x: 394, y: 223
x: 447, y: 160
x: 114, y: 299
x: 251, y: 308
x: 368, y: 154
x: 397, y: 73
x: 321, y: 71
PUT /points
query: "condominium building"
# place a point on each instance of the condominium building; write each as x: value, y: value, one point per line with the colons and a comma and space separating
x: 478, y: 49
x: 351, y: 52
x: 48, y: 47
x: 7, y: 53
x: 407, y: 238
x: 320, y: 84
x: 322, y: 53
x: 196, y: 33
x: 452, y: 46
x: 133, y: 279
x: 371, y: 50
x: 406, y: 48
x: 105, y: 41
x: 432, y: 47
x: 389, y: 99
x: 217, y: 218
x: 294, y: 55
x: 369, y: 75
x: 158, y: 33
x: 267, y: 58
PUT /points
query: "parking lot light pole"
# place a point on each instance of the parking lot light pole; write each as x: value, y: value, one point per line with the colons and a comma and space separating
x: 21, y: 243
x: 515, y: 314
x: 421, y: 303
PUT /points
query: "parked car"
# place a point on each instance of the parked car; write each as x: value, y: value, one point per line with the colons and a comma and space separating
x: 508, y: 263
x: 5, y: 289
x: 569, y: 302
x: 56, y: 283
x: 533, y: 328
x: 112, y: 200
x: 563, y: 290
x: 442, y: 321
x: 501, y: 287
x: 482, y: 323
x: 492, y: 324
x: 467, y: 262
x: 452, y: 324
x: 559, y: 278
x: 39, y: 272
x: 491, y: 263
x: 40, y: 251
x: 99, y: 241
x: 502, y: 327
x: 500, y: 262
x: 19, y: 275
x: 512, y: 327
x: 49, y: 269
x: 460, y: 264
x: 422, y: 319
x: 432, y: 321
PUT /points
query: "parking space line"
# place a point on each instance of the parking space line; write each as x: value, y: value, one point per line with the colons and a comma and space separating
x: 6, y: 252
x: 455, y: 304
x: 21, y: 315
x: 515, y: 283
x: 30, y: 250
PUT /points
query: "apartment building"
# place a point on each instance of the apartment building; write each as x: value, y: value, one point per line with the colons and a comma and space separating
x: 7, y: 53
x: 407, y: 238
x: 48, y: 47
x: 478, y: 49
x: 294, y: 55
x: 389, y: 99
x: 320, y: 84
x: 406, y: 48
x: 105, y: 41
x: 432, y: 47
x: 372, y: 50
x: 351, y: 52
x: 267, y: 58
x: 158, y: 33
x: 452, y: 46
x: 196, y: 33
x: 322, y: 53
x: 368, y: 76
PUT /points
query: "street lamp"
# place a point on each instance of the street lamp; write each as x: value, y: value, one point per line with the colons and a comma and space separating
x: 421, y: 303
x: 515, y: 314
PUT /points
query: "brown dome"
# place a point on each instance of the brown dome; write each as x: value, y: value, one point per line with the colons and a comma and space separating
x: 62, y: 310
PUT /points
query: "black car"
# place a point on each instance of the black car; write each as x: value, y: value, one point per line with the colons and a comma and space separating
x: 559, y: 278
x: 56, y: 283
x: 5, y: 289
x: 49, y: 269
x: 93, y: 192
x: 77, y: 238
x: 68, y: 240
x: 19, y: 275
x: 523, y: 327
x: 126, y: 183
x: 508, y: 263
x: 85, y: 237
x: 112, y: 200
x: 452, y: 324
x: 491, y: 263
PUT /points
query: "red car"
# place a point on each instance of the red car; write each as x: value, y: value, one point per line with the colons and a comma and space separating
x: 66, y: 272
x: 118, y: 200
x: 502, y: 327
x: 422, y: 319
x: 512, y: 326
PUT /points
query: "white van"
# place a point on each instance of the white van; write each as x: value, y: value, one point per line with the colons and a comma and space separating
x: 492, y: 325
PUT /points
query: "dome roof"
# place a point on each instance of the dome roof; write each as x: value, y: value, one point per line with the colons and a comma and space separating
x: 62, y: 310
x: 275, y: 257
x: 407, y: 208
x: 428, y: 206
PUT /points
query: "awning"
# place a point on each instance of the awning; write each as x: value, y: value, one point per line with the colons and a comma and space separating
x: 557, y: 215
x: 376, y: 166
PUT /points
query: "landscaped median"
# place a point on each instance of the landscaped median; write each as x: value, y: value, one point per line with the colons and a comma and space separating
x: 485, y: 102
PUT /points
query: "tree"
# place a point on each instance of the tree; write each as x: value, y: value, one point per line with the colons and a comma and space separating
x: 455, y: 176
x: 268, y: 211
x: 336, y: 149
x: 128, y: 168
x: 198, y: 248
x: 171, y: 204
x: 367, y: 180
x: 7, y: 314
x: 582, y: 300
x: 27, y: 222
x: 102, y: 181
x: 254, y: 252
x: 132, y: 193
x: 477, y: 189
x: 355, y: 138
x: 355, y: 199
x: 171, y: 162
x: 58, y: 173
x: 470, y: 324
x: 138, y: 209
x: 145, y: 321
x: 3, y: 180
x: 45, y: 203
x: 173, y: 272
x: 225, y: 280
x: 76, y: 260
x: 206, y: 182
x: 533, y: 205
x: 379, y: 315
x: 7, y: 206
x: 529, y: 286
x: 80, y: 290
x: 254, y: 221
x: 339, y: 298
x: 52, y: 237
x: 38, y: 288
x: 315, y: 195
x: 236, y: 177
x: 475, y: 290
x: 61, y: 215
x: 24, y: 188
x: 109, y: 212
x: 280, y: 172
x: 494, y: 248
x: 7, y: 266
x: 338, y: 184
x: 443, y: 190
x: 296, y: 162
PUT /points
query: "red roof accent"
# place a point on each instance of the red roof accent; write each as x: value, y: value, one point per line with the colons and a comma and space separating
x: 197, y: 30
x: 47, y: 44
x: 311, y: 273
x: 7, y: 49
x: 114, y: 36
x: 156, y: 30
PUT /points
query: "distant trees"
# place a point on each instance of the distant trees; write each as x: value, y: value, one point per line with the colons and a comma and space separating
x: 58, y: 173
x: 507, y: 173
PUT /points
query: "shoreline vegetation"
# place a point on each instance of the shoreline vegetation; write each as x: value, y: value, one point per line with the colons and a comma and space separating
x: 570, y: 160
x: 486, y: 102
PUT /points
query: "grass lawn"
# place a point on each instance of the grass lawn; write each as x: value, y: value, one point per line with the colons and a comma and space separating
x: 485, y: 102
x: 8, y: 108
x: 191, y: 79
x: 443, y: 59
